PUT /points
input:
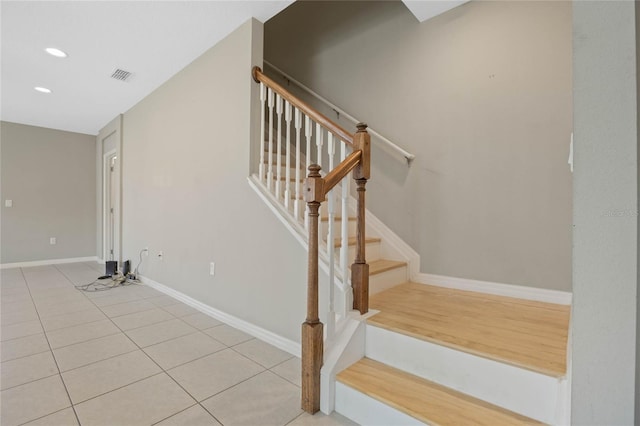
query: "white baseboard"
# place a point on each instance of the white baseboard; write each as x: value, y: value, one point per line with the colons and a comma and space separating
x: 48, y: 262
x: 498, y: 289
x: 276, y: 340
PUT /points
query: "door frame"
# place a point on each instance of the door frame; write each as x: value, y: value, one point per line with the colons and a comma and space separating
x: 106, y: 189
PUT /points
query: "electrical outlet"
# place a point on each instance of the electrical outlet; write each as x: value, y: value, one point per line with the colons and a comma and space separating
x: 8, y: 203
x: 145, y: 251
x: 52, y: 241
x: 160, y: 255
x: 212, y: 268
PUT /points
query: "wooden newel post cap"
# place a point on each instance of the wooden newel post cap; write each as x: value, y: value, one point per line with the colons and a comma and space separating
x: 362, y: 127
x: 314, y: 170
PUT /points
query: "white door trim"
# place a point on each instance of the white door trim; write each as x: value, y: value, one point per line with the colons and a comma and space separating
x: 105, y: 189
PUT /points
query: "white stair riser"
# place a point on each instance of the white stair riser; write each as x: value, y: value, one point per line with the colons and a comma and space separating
x: 365, y: 410
x: 337, y: 227
x: 372, y: 252
x: 516, y: 389
x: 387, y: 279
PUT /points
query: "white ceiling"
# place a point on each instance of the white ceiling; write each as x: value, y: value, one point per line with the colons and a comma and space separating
x: 152, y: 39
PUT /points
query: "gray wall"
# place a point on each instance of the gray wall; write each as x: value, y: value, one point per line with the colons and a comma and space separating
x: 482, y: 96
x: 637, y: 411
x: 605, y: 193
x: 186, y: 159
x: 51, y: 177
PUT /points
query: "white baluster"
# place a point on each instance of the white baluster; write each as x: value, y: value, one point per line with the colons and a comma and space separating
x: 308, y: 130
x: 279, y: 153
x: 344, y: 250
x: 287, y: 187
x: 331, y: 315
x: 319, y: 143
x: 263, y: 98
x: 270, y: 156
x: 296, y: 204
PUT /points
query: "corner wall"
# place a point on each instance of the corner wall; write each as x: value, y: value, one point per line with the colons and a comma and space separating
x: 186, y: 159
x: 605, y: 192
x: 482, y: 96
x: 50, y: 176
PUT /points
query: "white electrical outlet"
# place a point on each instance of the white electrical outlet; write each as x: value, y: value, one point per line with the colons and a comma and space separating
x: 160, y: 255
x: 8, y: 203
x: 212, y: 268
x: 52, y: 241
x: 145, y: 251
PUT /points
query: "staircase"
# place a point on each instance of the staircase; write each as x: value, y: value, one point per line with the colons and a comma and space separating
x: 431, y: 355
x: 442, y: 356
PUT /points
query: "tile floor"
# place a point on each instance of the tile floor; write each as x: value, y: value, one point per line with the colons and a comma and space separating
x: 133, y: 356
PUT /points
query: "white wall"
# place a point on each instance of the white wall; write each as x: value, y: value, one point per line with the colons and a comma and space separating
x: 186, y: 153
x: 50, y: 176
x: 482, y: 96
x: 605, y: 255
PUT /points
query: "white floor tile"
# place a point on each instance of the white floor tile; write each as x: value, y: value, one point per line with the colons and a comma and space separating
x: 183, y: 349
x: 228, y: 335
x: 142, y: 403
x: 81, y: 333
x: 32, y: 401
x: 23, y: 346
x: 263, y: 353
x: 80, y: 354
x: 160, y: 332
x: 265, y: 399
x: 207, y: 376
x: 104, y: 376
x: 141, y: 319
x: 194, y: 416
x: 27, y: 369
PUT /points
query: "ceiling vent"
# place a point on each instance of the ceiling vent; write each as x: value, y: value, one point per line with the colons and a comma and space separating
x: 121, y: 75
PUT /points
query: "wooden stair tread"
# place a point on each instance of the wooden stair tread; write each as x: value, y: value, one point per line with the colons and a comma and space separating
x: 383, y: 265
x: 424, y: 400
x: 527, y: 334
x: 352, y: 241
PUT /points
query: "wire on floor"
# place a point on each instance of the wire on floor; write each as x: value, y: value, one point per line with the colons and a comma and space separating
x: 107, y: 284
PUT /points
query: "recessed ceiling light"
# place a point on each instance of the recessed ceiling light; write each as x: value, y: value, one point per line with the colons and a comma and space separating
x: 55, y: 52
x: 42, y: 89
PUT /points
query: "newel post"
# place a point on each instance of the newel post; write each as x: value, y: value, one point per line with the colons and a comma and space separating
x: 360, y: 268
x: 312, y: 345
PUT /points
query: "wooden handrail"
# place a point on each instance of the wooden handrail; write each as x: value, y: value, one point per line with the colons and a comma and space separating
x: 407, y: 155
x: 315, y: 190
x: 341, y: 171
x: 315, y: 115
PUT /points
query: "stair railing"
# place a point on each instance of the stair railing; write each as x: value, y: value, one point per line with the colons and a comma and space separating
x: 292, y: 112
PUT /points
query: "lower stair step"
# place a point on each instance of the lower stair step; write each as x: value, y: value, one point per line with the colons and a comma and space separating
x: 422, y: 399
x: 523, y: 333
x: 383, y: 265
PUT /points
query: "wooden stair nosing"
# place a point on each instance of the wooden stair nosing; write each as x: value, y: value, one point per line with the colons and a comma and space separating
x: 383, y: 265
x: 424, y: 400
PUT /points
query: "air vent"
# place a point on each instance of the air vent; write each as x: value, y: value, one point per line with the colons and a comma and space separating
x: 121, y: 75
